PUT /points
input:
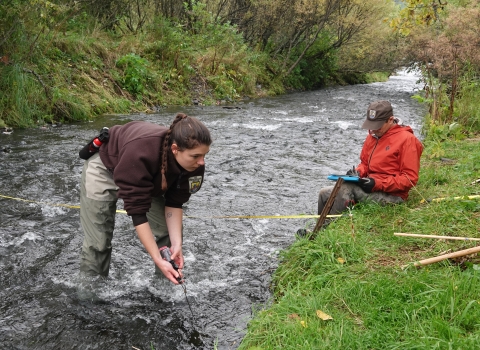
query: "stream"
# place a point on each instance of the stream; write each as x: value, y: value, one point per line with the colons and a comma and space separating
x: 269, y: 156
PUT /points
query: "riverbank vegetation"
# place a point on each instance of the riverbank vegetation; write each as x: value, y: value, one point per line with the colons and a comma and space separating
x: 362, y: 277
x: 443, y: 39
x: 355, y: 285
x: 66, y: 60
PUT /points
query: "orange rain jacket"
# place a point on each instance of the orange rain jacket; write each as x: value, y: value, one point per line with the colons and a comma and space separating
x: 393, y: 160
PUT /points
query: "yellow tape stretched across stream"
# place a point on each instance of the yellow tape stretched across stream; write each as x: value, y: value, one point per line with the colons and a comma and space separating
x: 300, y: 216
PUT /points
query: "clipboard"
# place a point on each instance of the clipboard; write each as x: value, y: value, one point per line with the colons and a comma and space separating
x: 347, y: 178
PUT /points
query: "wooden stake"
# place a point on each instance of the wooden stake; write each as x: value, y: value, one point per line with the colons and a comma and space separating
x: 449, y: 198
x: 447, y: 256
x: 437, y: 237
x: 327, y: 207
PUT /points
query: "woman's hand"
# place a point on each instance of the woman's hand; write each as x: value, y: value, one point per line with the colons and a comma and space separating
x: 168, y: 271
x: 146, y: 237
x: 173, y: 216
x: 177, y: 257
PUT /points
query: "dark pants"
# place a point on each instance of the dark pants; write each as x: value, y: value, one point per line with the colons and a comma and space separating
x: 350, y: 194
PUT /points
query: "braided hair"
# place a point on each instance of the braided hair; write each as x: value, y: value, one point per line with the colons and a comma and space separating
x: 187, y: 132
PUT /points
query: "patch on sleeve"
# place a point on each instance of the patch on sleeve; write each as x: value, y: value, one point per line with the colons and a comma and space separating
x: 194, y: 183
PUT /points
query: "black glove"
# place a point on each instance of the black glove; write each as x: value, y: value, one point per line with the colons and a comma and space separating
x: 353, y: 172
x: 367, y: 184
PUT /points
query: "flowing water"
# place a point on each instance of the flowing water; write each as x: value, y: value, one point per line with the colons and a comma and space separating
x: 269, y: 157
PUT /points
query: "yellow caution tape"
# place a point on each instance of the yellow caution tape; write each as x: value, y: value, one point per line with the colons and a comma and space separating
x: 46, y: 203
x: 301, y: 216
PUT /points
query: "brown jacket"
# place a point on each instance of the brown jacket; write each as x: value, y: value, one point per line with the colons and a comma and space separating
x: 133, y: 154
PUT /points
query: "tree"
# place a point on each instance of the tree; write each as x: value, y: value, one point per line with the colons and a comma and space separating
x: 364, y: 40
x: 446, y: 49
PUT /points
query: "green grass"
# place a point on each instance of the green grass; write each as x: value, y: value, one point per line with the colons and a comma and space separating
x: 80, y: 72
x: 21, y: 86
x: 377, y: 76
x: 67, y: 65
x: 365, y: 279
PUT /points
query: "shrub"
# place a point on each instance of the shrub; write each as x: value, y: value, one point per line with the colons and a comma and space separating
x: 135, y: 73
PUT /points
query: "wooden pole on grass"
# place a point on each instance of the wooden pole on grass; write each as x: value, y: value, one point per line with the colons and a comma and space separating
x: 437, y: 237
x: 447, y: 256
x: 327, y: 207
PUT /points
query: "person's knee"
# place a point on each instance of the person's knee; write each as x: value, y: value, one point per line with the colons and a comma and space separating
x: 323, y: 196
x: 325, y: 191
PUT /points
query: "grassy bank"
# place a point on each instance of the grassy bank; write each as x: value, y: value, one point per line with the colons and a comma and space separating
x: 71, y: 61
x: 364, y: 278
x: 76, y: 76
x: 83, y: 72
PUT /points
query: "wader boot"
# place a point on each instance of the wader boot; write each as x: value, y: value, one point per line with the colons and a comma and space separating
x: 98, y: 202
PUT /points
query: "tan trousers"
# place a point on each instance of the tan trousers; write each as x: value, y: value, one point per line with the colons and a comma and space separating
x: 98, y: 204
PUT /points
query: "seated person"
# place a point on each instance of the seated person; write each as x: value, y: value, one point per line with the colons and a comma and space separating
x: 389, y: 163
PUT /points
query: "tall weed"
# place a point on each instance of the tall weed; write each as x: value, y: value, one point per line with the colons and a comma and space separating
x: 467, y: 108
x: 25, y: 103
